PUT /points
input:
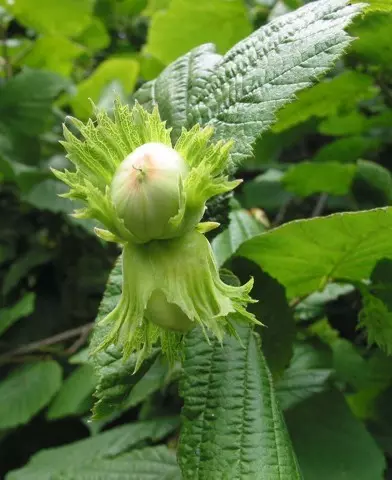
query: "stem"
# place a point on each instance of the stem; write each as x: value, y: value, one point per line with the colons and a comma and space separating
x: 81, y: 332
x: 320, y: 205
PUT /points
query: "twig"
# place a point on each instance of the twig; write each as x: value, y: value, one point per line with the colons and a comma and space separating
x: 82, y: 331
x: 320, y: 205
x: 282, y: 212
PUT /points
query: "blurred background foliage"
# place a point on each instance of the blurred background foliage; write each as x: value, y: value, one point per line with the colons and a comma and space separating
x: 329, y: 151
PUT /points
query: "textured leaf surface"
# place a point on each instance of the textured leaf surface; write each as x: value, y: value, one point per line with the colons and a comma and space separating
x: 26, y: 391
x: 263, y: 72
x: 231, y: 423
x: 331, y: 442
x: 152, y: 463
x: 76, y: 391
x: 184, y: 25
x: 242, y: 227
x: 308, y: 178
x: 62, y: 462
x: 22, y: 308
x: 327, y: 98
x: 239, y: 93
x: 306, y: 254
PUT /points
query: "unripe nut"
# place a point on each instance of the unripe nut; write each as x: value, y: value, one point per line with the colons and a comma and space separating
x: 146, y: 190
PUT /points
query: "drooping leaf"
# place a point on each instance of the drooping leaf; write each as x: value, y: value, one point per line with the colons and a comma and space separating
x: 75, y: 394
x: 377, y: 177
x: 62, y: 462
x: 124, y: 70
x: 304, y: 255
x: 26, y: 391
x: 231, y: 423
x: 22, y: 308
x: 331, y: 442
x: 327, y: 98
x: 307, y: 178
x: 242, y: 227
x: 152, y: 463
x: 351, y: 123
x: 346, y: 150
x: 185, y: 25
x: 241, y: 93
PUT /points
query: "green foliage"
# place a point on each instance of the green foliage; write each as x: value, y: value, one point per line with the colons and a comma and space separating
x: 231, y: 423
x: 26, y: 391
x: 323, y: 285
x: 305, y: 255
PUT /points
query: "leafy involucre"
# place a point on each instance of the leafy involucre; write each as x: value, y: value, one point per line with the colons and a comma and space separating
x: 231, y: 423
x: 304, y: 255
x: 26, y: 391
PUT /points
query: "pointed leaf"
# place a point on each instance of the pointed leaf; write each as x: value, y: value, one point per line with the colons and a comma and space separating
x: 232, y: 426
x: 304, y: 255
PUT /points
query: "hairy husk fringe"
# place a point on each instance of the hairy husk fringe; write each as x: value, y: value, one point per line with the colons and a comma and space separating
x: 178, y: 274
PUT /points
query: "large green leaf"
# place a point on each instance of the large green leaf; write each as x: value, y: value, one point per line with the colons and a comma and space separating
x: 22, y: 308
x: 242, y: 227
x: 75, y: 394
x: 331, y: 443
x: 25, y: 100
x: 26, y: 391
x: 327, y: 98
x: 232, y: 427
x: 63, y: 462
x: 184, y: 25
x: 239, y: 93
x: 152, y: 463
x: 304, y: 255
x: 122, y: 69
x: 68, y: 17
x: 307, y: 178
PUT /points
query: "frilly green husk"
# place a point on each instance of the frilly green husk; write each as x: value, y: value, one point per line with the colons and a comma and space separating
x: 184, y: 271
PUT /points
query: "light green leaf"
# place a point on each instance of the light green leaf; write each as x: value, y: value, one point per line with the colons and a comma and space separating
x: 347, y: 150
x: 331, y: 443
x: 152, y: 463
x: 307, y: 178
x: 242, y: 227
x: 373, y: 45
x: 25, y: 100
x: 67, y: 17
x: 75, y: 394
x: 327, y: 98
x: 94, y: 36
x: 124, y: 70
x: 304, y: 378
x: 22, y: 308
x: 61, y: 462
x: 184, y: 25
x: 42, y: 54
x: 238, y: 94
x: 232, y: 427
x: 26, y: 391
x: 378, y: 5
x: 304, y: 255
